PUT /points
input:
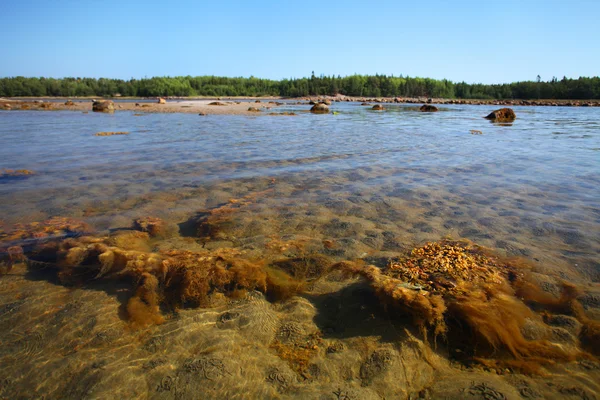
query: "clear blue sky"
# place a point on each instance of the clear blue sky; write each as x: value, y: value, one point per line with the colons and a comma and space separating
x: 475, y: 41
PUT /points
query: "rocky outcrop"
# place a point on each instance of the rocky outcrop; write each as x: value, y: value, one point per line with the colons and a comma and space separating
x: 378, y: 107
x: 428, y: 108
x: 106, y: 106
x: 503, y: 114
x: 320, y: 108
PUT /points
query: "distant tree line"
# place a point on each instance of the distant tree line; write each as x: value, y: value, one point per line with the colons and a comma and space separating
x: 355, y: 85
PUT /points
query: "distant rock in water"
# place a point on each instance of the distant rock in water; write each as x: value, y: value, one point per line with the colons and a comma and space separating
x: 503, y: 114
x: 320, y: 109
x: 253, y: 109
x: 162, y: 101
x: 69, y: 103
x: 378, y: 107
x: 217, y: 103
x: 428, y: 108
x: 106, y: 106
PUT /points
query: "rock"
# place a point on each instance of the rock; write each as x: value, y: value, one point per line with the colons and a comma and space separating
x: 7, y: 106
x: 106, y: 106
x: 162, y: 101
x: 46, y: 105
x: 312, y: 103
x: 253, y: 109
x: 365, y: 104
x: 257, y: 101
x: 202, y: 114
x: 503, y: 114
x: 378, y: 107
x: 217, y: 103
x: 428, y: 108
x: 320, y: 109
x: 326, y: 102
x: 69, y: 103
x: 137, y: 104
x: 155, y: 227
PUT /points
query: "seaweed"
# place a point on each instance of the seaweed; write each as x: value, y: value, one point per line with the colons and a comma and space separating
x: 476, y: 301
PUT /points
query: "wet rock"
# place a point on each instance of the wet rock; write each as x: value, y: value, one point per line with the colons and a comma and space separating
x: 161, y: 101
x: 69, y: 103
x: 428, y: 108
x: 378, y: 107
x: 106, y: 106
x: 503, y: 114
x: 320, y: 109
x: 566, y: 322
x: 254, y: 109
x: 155, y: 227
x: 217, y: 103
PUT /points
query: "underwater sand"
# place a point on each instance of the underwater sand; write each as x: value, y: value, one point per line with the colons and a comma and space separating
x: 358, y: 185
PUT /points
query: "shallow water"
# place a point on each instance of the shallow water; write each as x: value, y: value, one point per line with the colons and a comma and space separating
x: 376, y: 183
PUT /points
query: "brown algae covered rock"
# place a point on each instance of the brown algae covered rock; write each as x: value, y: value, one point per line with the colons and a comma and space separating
x: 428, y: 108
x: 105, y: 106
x: 320, y: 108
x: 478, y: 302
x: 502, y: 115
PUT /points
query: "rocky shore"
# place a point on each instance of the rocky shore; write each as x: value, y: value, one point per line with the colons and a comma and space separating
x: 421, y: 100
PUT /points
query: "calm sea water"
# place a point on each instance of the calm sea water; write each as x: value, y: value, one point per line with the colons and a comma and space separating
x: 534, y: 184
x: 373, y: 183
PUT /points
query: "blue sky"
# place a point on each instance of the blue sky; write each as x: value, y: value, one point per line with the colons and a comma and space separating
x: 472, y: 41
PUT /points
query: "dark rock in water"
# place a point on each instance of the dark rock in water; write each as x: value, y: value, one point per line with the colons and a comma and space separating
x: 106, y: 106
x: 428, y: 108
x: 378, y: 107
x: 253, y: 109
x: 320, y: 109
x: 503, y: 114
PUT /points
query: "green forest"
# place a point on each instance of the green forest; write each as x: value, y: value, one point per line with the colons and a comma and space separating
x: 355, y: 85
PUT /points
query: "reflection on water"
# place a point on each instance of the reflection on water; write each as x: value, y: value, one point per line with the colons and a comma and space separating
x: 361, y: 184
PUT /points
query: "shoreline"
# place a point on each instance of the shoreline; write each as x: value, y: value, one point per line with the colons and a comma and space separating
x: 250, y: 105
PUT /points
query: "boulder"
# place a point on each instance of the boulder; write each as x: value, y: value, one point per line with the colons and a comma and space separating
x: 503, y: 114
x: 320, y: 108
x: 253, y: 109
x: 378, y: 107
x: 326, y: 102
x: 69, y: 103
x: 217, y: 103
x: 428, y: 108
x: 106, y: 106
x: 162, y: 101
x: 7, y: 106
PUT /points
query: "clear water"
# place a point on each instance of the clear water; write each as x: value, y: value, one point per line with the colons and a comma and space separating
x: 377, y: 183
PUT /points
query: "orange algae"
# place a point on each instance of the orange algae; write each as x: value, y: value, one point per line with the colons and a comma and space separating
x: 15, y: 173
x: 475, y: 300
x: 111, y: 133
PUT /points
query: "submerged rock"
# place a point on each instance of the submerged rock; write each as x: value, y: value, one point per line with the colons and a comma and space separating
x: 320, y: 109
x: 503, y: 114
x: 378, y: 107
x: 428, y: 108
x: 106, y: 106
